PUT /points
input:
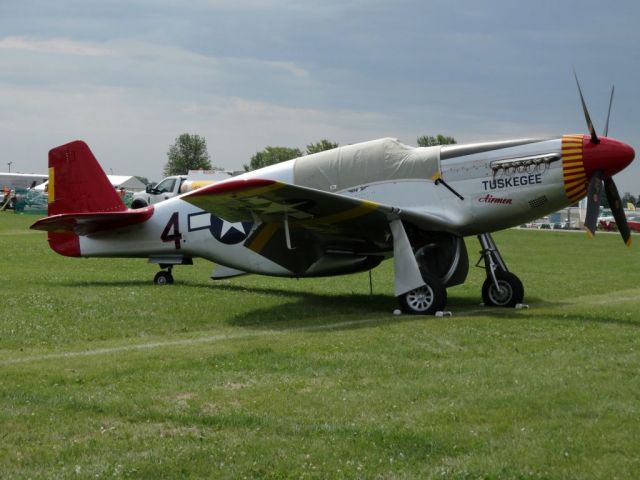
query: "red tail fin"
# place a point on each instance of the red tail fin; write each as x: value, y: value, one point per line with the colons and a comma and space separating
x: 77, y: 183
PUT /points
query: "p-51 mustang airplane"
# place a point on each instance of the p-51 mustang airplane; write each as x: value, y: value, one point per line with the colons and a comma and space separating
x: 345, y: 210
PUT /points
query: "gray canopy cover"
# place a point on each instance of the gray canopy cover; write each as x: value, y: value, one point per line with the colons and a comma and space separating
x: 366, y: 163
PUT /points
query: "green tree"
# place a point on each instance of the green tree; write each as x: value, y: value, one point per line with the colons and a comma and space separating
x: 320, y: 146
x: 189, y: 152
x: 272, y: 155
x: 429, y: 141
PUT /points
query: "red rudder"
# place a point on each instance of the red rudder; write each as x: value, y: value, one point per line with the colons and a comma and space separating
x: 77, y: 183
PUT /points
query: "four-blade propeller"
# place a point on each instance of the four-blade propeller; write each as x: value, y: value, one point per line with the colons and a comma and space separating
x: 599, y: 178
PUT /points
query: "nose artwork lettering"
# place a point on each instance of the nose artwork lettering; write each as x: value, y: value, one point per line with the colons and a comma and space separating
x: 507, y: 182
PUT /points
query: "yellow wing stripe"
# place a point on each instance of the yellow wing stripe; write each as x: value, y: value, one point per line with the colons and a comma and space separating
x: 364, y: 208
x: 256, y: 192
x: 260, y: 241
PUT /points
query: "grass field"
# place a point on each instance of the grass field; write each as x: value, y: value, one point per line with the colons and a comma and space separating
x: 103, y: 374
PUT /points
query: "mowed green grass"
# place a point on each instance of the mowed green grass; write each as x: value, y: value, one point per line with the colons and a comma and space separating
x: 104, y: 375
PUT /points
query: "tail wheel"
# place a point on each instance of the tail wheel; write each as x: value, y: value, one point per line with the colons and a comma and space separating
x: 163, y: 277
x: 508, y: 293
x: 425, y: 300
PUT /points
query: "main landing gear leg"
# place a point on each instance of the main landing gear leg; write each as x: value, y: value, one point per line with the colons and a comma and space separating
x: 501, y: 288
x: 164, y: 277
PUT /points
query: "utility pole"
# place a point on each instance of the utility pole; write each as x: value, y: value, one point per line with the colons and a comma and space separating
x: 9, y: 164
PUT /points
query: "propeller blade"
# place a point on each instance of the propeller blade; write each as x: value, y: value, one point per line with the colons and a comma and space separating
x: 592, y: 130
x: 606, y: 125
x: 593, y: 202
x: 617, y: 209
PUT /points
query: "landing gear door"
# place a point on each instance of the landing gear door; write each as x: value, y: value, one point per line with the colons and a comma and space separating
x: 406, y: 270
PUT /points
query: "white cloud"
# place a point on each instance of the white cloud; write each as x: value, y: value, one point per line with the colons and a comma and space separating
x: 260, y: 5
x: 127, y: 63
x: 288, y: 67
x: 145, y: 53
x: 53, y: 45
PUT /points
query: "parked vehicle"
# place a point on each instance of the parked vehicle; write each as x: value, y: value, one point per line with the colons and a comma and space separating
x: 177, y: 184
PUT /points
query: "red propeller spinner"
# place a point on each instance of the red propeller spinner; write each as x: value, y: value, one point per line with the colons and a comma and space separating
x: 608, y: 155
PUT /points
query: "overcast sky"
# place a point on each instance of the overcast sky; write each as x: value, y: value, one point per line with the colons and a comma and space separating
x: 129, y: 76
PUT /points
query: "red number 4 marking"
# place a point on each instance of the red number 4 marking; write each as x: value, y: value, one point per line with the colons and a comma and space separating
x: 171, y: 232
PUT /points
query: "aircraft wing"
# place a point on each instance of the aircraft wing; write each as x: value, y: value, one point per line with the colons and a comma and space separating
x: 299, y: 224
x: 89, y: 223
x: 269, y: 200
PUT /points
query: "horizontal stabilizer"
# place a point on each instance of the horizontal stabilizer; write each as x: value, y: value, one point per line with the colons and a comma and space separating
x: 90, y: 223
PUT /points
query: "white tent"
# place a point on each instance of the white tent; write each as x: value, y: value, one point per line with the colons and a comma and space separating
x: 20, y: 180
x: 126, y: 182
x: 118, y: 181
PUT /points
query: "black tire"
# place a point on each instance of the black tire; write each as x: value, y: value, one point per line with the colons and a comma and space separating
x: 512, y: 291
x: 138, y: 203
x: 163, y: 278
x: 425, y: 300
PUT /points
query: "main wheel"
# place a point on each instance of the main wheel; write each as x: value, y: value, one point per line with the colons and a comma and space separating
x: 163, y: 277
x: 509, y: 292
x: 425, y: 300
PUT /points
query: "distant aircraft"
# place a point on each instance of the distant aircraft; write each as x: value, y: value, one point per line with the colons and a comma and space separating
x: 346, y: 210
